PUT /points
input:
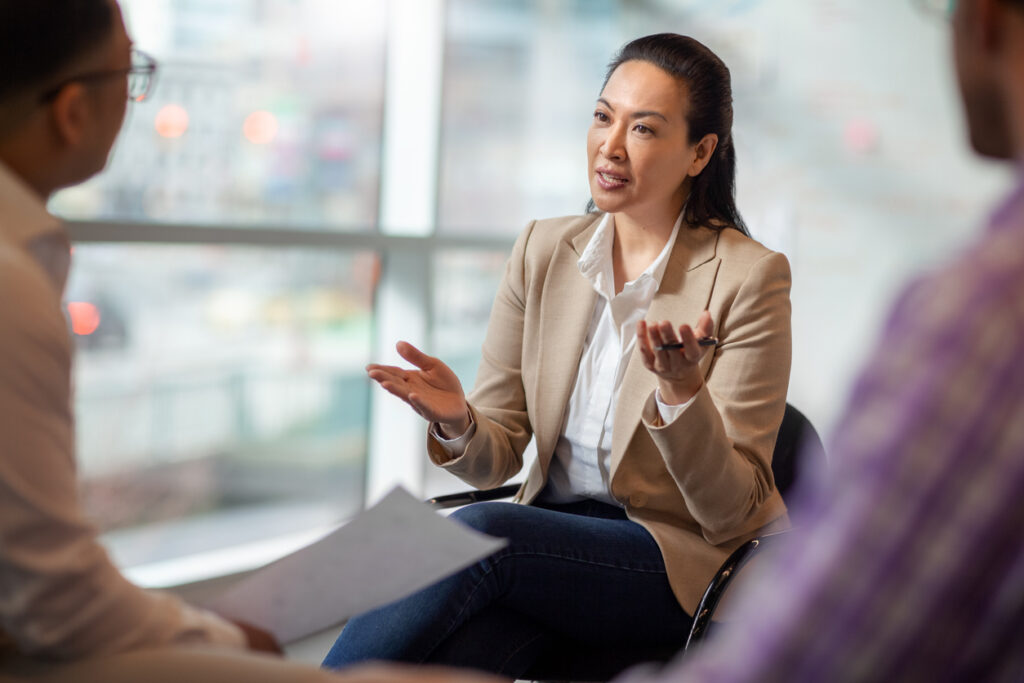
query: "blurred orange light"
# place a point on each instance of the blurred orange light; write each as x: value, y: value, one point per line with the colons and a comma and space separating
x: 171, y: 121
x: 260, y: 127
x: 85, y: 317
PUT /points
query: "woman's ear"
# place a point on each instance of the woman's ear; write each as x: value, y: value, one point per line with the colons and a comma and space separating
x: 704, y: 149
x: 69, y: 114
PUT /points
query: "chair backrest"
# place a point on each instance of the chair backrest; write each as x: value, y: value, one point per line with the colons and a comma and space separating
x: 796, y: 443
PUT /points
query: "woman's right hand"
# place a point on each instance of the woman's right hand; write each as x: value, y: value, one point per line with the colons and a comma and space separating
x: 432, y: 390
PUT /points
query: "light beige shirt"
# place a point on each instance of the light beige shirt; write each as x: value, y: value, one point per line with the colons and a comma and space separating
x: 60, y: 595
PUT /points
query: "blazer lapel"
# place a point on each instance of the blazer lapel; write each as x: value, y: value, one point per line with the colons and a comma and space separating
x: 684, y: 293
x: 565, y: 318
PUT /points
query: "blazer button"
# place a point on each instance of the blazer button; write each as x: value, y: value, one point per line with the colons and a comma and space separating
x: 637, y: 500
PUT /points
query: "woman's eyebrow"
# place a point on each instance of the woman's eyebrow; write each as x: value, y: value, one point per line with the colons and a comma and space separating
x: 636, y: 114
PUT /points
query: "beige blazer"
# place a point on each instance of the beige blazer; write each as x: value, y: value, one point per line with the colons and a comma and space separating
x: 700, y: 485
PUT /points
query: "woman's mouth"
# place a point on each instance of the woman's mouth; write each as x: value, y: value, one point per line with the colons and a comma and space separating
x: 609, y: 181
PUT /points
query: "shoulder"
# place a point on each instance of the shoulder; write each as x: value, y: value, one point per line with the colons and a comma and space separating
x: 742, y: 257
x: 545, y: 233
x: 736, y: 247
x: 567, y: 225
x: 31, y: 308
x: 541, y: 238
x: 979, y: 290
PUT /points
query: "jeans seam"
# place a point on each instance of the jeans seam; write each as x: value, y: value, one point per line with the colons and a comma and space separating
x: 596, y: 563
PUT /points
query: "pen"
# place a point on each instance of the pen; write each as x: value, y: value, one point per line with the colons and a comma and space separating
x: 703, y: 341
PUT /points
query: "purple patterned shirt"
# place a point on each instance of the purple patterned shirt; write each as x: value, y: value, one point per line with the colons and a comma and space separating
x: 908, y: 564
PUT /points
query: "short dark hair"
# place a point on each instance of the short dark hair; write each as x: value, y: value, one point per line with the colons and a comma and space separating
x: 712, y: 200
x: 40, y: 38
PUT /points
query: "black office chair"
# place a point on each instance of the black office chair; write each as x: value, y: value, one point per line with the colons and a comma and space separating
x: 577, y: 661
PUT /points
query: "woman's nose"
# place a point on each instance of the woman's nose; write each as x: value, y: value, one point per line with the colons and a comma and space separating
x: 614, y: 145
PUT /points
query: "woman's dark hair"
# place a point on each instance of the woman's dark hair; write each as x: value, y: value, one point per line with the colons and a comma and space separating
x: 712, y: 200
x: 40, y: 38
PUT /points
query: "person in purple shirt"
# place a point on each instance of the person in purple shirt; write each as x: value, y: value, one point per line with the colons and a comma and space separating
x: 908, y: 561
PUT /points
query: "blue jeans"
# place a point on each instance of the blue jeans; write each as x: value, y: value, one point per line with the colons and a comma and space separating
x: 579, y: 573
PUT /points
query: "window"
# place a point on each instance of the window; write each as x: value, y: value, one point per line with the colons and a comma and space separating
x: 221, y: 330
x: 264, y: 230
x: 222, y: 381
x: 265, y: 114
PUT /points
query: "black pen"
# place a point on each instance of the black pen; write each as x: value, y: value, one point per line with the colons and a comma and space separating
x: 703, y: 341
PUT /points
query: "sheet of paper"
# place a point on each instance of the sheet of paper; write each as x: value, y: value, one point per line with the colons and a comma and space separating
x: 385, y: 553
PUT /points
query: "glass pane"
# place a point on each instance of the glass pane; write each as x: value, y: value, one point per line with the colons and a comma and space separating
x: 220, y: 392
x: 264, y: 112
x: 521, y: 77
x: 465, y: 283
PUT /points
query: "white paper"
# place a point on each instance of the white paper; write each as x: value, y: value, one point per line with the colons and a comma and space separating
x: 387, y: 552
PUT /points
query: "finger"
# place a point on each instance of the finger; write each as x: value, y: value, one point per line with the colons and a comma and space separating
x: 705, y: 326
x: 668, y: 333
x: 691, y: 349
x: 658, y: 339
x: 664, y: 359
x: 393, y: 369
x: 387, y: 374
x: 644, y: 344
x: 415, y: 356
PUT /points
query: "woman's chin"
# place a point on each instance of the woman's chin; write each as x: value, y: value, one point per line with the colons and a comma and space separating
x: 607, y: 204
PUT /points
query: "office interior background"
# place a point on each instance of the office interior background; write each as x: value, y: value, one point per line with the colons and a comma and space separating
x: 313, y: 180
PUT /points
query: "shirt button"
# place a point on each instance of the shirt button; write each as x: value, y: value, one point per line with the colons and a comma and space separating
x: 637, y: 500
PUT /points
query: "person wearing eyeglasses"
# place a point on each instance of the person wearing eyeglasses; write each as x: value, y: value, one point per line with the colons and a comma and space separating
x: 67, y: 72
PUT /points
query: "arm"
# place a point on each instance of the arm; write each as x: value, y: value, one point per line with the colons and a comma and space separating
x: 718, y: 450
x: 60, y: 596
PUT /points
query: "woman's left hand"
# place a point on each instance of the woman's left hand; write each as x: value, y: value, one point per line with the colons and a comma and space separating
x: 678, y: 370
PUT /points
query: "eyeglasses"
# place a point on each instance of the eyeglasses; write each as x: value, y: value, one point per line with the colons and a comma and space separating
x: 140, y: 74
x: 938, y: 8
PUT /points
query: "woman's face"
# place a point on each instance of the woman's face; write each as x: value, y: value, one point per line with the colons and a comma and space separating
x: 638, y: 145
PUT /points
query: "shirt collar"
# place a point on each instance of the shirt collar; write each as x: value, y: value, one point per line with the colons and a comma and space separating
x: 595, y: 263
x: 26, y: 224
x: 23, y: 215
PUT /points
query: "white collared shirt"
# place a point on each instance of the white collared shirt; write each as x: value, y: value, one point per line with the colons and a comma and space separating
x: 580, y: 466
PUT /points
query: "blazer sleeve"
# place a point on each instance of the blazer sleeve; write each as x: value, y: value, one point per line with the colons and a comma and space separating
x: 498, y: 401
x: 718, y: 451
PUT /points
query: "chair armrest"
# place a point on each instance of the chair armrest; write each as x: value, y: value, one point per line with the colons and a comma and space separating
x: 720, y: 582
x: 454, y: 500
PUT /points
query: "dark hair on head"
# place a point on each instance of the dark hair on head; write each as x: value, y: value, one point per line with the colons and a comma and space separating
x: 41, y: 38
x: 712, y: 200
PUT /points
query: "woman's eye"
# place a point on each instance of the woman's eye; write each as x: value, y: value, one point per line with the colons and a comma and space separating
x: 600, y: 116
x: 642, y: 129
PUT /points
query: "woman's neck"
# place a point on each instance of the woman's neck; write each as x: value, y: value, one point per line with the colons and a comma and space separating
x: 638, y: 242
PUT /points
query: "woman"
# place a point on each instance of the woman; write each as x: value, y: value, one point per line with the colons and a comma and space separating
x: 653, y: 464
